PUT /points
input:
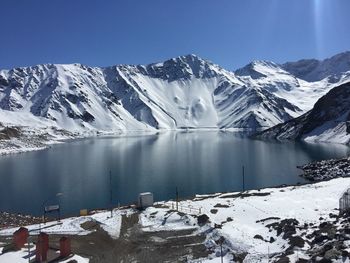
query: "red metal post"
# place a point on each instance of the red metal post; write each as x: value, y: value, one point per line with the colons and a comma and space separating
x: 65, y: 247
x: 20, y: 237
x: 42, y: 246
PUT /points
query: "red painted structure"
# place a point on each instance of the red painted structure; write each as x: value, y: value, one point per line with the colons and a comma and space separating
x: 42, y: 246
x: 20, y: 237
x: 65, y: 248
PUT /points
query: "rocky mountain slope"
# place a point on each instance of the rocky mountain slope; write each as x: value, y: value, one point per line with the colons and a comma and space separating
x: 328, y: 121
x: 183, y: 92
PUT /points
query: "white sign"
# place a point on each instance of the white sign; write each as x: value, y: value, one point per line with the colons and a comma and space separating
x: 51, y: 208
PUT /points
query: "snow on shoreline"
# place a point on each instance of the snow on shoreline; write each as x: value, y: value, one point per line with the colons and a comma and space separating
x: 36, y: 139
x: 72, y: 225
x: 244, y: 220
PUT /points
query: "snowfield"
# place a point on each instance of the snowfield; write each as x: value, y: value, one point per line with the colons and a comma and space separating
x: 21, y: 257
x: 72, y: 226
x: 69, y: 226
x: 240, y: 219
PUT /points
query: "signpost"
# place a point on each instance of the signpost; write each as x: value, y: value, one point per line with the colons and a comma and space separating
x: 52, y: 208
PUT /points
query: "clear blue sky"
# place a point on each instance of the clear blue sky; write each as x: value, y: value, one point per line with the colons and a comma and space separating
x: 228, y: 32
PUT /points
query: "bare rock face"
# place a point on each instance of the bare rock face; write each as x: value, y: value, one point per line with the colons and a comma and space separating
x: 202, y: 219
x: 9, y: 132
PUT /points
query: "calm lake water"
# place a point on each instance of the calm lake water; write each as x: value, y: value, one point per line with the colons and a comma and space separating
x: 195, y: 162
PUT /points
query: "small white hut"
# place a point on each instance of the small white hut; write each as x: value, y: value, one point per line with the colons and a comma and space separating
x: 145, y: 200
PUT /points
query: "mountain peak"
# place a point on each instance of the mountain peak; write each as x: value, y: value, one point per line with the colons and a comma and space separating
x: 256, y: 69
x: 263, y: 63
x: 181, y: 68
x: 314, y: 70
x: 342, y: 55
x: 189, y: 59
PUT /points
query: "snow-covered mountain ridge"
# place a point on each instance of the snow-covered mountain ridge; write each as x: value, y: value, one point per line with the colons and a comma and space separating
x: 183, y: 92
x: 314, y: 70
x: 328, y: 121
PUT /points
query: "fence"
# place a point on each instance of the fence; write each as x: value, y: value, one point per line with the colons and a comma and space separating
x: 344, y: 201
x: 187, y: 209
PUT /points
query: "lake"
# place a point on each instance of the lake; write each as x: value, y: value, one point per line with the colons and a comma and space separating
x: 195, y: 162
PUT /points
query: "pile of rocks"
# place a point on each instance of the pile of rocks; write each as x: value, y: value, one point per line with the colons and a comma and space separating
x: 13, y: 220
x: 327, y: 169
x: 325, y: 241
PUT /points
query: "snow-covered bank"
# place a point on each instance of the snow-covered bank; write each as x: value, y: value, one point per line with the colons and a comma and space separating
x: 72, y: 226
x: 22, y: 132
x: 288, y: 224
x: 250, y: 223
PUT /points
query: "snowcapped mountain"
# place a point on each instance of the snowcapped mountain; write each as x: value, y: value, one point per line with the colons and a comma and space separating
x: 281, y: 83
x: 334, y: 68
x: 183, y: 92
x: 328, y: 121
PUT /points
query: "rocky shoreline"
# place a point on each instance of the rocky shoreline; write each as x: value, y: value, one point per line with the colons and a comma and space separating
x: 13, y: 220
x: 323, y: 241
x: 326, y: 169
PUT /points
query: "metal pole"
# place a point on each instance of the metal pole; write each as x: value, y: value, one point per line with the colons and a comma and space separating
x: 243, y: 186
x: 177, y: 200
x: 28, y: 248
x: 111, y: 194
x: 43, y: 206
x: 222, y: 259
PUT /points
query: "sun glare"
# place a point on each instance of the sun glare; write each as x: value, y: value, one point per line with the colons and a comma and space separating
x: 317, y: 13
